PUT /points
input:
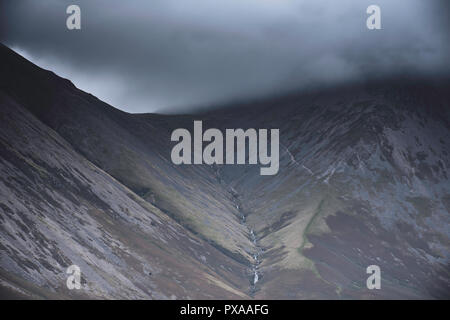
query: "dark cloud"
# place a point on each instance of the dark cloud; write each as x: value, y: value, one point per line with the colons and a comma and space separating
x: 166, y: 55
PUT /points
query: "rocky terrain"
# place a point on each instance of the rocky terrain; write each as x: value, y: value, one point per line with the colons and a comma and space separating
x: 363, y: 180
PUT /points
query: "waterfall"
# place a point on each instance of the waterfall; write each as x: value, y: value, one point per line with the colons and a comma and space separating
x: 254, y: 239
x: 256, y: 277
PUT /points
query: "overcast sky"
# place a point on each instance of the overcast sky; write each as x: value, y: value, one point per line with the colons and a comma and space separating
x: 175, y: 55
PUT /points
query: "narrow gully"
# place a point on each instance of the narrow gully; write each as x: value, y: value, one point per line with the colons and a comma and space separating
x: 258, y: 251
x: 256, y: 273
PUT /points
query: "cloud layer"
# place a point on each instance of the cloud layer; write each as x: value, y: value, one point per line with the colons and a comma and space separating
x: 172, y: 55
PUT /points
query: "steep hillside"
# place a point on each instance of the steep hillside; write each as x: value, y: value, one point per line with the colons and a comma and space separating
x: 130, y: 148
x: 58, y: 209
x: 364, y: 179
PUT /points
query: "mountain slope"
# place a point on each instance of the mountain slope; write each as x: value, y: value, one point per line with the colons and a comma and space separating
x: 58, y: 209
x: 131, y: 149
x: 363, y: 180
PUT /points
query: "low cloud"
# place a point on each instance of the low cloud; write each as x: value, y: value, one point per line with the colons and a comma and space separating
x: 172, y: 56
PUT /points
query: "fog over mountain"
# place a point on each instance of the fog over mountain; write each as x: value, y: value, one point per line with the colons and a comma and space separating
x: 135, y: 55
x: 361, y: 154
